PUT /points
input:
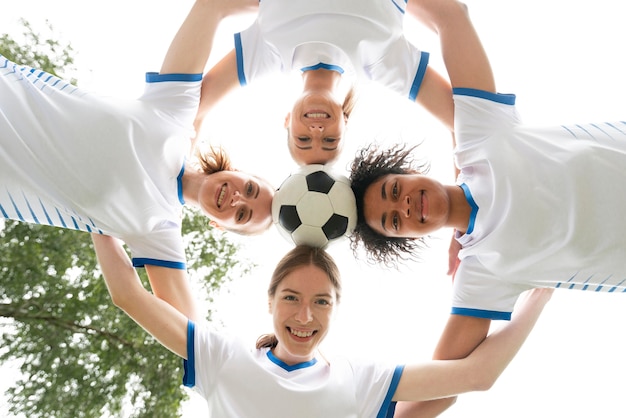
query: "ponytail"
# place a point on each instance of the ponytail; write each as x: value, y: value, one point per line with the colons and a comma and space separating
x: 267, y: 341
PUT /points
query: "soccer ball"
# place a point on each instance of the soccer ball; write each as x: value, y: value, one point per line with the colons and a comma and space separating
x: 314, y: 206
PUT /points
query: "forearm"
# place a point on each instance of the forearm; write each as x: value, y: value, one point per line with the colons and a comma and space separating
x: 217, y: 83
x: 464, y: 56
x: 491, y: 357
x: 190, y: 49
x: 156, y: 316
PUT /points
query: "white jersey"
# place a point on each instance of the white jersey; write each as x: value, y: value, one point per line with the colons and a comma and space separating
x: 241, y: 383
x: 548, y: 205
x: 72, y: 159
x: 355, y: 37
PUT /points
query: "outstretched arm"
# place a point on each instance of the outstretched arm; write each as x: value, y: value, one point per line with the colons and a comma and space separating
x: 460, y: 337
x: 483, y: 366
x: 190, y: 49
x: 156, y: 316
x: 465, y: 58
x: 220, y: 80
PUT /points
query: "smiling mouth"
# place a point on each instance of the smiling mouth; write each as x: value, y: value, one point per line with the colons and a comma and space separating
x: 301, y: 334
x: 317, y: 115
x: 221, y: 196
x: 423, y: 211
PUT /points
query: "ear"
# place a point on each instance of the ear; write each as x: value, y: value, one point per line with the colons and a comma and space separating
x: 287, y: 120
x: 216, y: 225
x: 269, y: 306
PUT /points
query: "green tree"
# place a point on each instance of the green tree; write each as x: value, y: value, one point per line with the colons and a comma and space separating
x: 78, y: 354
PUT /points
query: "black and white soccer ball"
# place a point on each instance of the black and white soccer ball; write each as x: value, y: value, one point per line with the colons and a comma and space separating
x: 314, y: 206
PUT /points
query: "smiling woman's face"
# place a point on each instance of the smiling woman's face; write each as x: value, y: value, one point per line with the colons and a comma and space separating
x: 406, y: 205
x: 237, y: 201
x: 302, y: 309
x: 315, y: 128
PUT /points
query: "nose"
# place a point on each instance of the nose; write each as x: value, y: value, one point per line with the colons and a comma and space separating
x: 235, y: 198
x: 304, y: 315
x: 316, y: 127
x: 406, y: 206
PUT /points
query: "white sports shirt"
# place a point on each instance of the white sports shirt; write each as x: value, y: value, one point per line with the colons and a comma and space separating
x: 241, y: 383
x: 364, y: 38
x: 75, y: 160
x: 548, y: 204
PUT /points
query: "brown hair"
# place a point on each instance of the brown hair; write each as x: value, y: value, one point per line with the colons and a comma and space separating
x: 300, y: 256
x: 214, y: 160
x: 349, y: 102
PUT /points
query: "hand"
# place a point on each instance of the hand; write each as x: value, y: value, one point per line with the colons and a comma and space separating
x: 533, y: 299
x: 453, y: 256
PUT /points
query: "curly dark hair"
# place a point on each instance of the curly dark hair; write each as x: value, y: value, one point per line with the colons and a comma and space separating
x: 370, y: 164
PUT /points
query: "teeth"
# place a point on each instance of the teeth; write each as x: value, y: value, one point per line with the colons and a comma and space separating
x: 301, y: 334
x: 220, y: 198
x: 317, y: 115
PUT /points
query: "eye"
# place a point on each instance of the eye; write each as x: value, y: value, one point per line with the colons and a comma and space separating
x: 395, y: 222
x: 249, y: 189
x: 240, y: 215
x: 303, y: 139
x: 323, y: 302
x: 394, y: 190
x: 290, y: 298
x: 330, y: 140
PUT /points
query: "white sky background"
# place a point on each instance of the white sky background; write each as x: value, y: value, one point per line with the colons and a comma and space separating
x: 565, y: 62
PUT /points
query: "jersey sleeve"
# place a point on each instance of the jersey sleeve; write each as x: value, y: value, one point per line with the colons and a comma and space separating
x: 402, y: 68
x: 255, y: 57
x: 162, y: 247
x: 206, y: 351
x: 478, y: 293
x: 176, y: 96
x: 375, y: 385
x: 479, y: 115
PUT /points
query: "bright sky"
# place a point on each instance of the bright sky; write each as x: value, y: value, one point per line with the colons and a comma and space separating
x: 565, y: 62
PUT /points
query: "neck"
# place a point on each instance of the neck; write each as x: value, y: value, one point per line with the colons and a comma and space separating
x: 321, y: 79
x: 460, y: 210
x: 191, y: 182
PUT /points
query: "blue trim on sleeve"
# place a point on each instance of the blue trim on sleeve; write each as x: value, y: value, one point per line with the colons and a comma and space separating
x: 323, y: 66
x: 179, y: 182
x: 189, y: 365
x: 141, y: 262
x: 473, y: 205
x: 508, y: 99
x: 419, y: 77
x: 481, y: 313
x: 391, y: 412
x: 157, y: 78
x: 286, y: 366
x: 388, y: 407
x: 239, y: 53
x: 400, y: 6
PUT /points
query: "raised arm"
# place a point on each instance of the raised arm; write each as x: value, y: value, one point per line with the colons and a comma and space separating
x: 465, y: 59
x: 483, y: 366
x: 460, y: 337
x: 220, y: 80
x: 156, y: 316
x: 189, y: 51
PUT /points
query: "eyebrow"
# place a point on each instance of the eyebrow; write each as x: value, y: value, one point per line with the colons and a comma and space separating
x: 310, y: 147
x: 383, y: 195
x: 258, y: 189
x: 328, y: 295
